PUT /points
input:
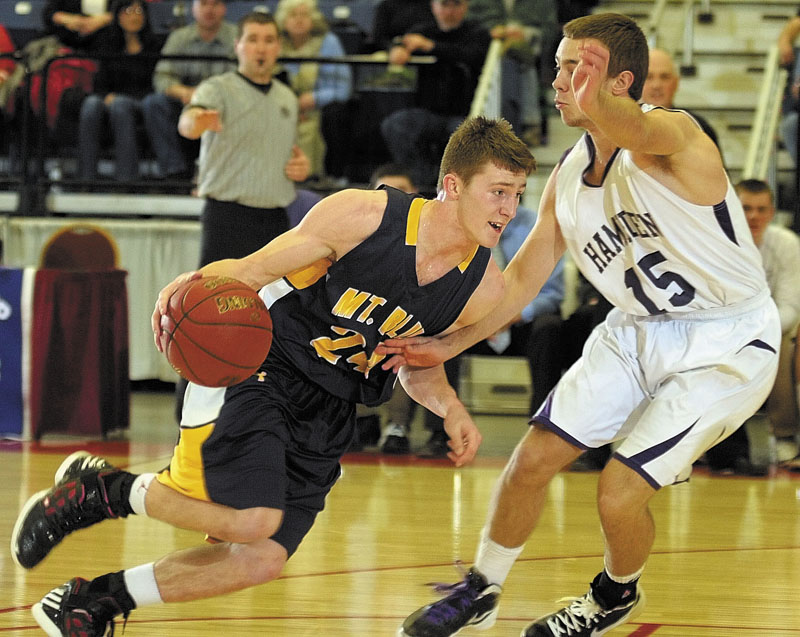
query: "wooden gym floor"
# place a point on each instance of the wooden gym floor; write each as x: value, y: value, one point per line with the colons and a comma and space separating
x: 726, y: 560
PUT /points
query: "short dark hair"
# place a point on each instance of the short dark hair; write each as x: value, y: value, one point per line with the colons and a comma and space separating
x: 625, y: 41
x: 393, y: 169
x: 479, y: 140
x: 255, y: 17
x: 753, y: 186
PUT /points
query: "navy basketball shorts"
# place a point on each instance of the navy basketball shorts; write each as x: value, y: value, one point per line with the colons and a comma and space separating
x: 274, y: 440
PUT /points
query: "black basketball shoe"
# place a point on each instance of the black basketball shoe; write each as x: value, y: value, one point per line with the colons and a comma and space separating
x: 472, y: 602
x: 585, y: 617
x: 81, y: 463
x: 86, y: 495
x: 72, y: 610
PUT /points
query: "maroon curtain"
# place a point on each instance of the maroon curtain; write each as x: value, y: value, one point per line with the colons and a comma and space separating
x: 79, y: 353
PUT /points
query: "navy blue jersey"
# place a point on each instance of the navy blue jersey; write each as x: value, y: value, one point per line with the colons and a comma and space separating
x: 329, y: 317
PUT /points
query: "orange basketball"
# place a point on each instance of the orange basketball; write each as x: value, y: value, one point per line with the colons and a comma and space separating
x: 218, y: 331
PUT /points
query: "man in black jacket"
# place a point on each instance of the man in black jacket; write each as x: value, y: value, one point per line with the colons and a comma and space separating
x: 416, y: 136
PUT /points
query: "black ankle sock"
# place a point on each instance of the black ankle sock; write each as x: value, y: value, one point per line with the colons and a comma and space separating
x: 118, y: 486
x: 609, y: 593
x: 113, y: 584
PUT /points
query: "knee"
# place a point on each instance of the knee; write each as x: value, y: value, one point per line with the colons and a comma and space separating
x: 251, y: 525
x: 155, y: 105
x: 261, y: 564
x: 621, y: 493
x: 531, y: 467
x: 92, y: 107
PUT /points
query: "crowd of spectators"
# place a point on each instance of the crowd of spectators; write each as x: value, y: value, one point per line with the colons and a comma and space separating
x: 143, y: 79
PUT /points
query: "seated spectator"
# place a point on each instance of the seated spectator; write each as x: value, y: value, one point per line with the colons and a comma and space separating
x: 662, y: 84
x: 526, y: 28
x: 7, y: 66
x: 305, y: 34
x: 535, y: 334
x: 120, y: 85
x: 396, y: 17
x: 76, y: 23
x: 175, y: 81
x: 780, y: 251
x: 417, y: 136
x: 791, y: 103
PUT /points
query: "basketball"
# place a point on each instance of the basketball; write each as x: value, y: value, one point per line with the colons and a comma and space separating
x: 217, y: 331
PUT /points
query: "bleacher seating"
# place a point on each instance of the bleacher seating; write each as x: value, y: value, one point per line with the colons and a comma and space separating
x: 23, y: 19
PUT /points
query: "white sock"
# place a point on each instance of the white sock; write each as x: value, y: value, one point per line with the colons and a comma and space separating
x: 621, y: 579
x: 495, y: 561
x: 141, y: 584
x: 139, y: 492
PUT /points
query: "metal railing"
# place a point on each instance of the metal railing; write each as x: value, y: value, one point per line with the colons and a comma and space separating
x: 760, y: 160
x: 488, y: 93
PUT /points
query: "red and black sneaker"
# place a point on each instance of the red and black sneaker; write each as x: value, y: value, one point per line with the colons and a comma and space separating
x: 91, y: 496
x: 73, y: 610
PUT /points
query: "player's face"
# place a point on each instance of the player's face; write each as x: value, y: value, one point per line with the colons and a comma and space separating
x: 662, y: 80
x: 208, y: 14
x: 759, y: 211
x: 257, y: 50
x: 489, y: 202
x: 567, y: 58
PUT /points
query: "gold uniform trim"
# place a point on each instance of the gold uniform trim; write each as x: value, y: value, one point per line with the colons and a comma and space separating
x: 412, y: 231
x: 186, y: 473
x: 412, y: 223
x: 309, y: 275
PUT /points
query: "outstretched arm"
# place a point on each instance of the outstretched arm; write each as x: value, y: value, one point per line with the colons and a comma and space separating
x: 330, y: 230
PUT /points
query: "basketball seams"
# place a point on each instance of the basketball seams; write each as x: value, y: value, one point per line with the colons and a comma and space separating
x: 213, y: 345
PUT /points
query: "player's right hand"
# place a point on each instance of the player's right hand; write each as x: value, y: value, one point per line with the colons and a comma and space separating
x: 418, y: 351
x: 163, y: 300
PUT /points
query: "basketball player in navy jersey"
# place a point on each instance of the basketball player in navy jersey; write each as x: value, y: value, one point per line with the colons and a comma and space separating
x: 255, y: 461
x: 644, y: 205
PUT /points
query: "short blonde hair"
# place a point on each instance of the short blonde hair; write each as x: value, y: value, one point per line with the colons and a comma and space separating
x: 319, y: 24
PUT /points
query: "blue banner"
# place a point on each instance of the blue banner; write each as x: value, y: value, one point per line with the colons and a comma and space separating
x: 11, y: 330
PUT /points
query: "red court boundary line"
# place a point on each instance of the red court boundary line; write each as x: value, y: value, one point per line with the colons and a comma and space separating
x: 640, y: 630
x: 123, y: 448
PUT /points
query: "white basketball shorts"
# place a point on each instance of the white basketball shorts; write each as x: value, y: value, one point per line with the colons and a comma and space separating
x: 670, y: 385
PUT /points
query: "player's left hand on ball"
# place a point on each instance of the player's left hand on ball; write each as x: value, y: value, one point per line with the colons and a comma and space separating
x: 465, y: 438
x: 156, y: 321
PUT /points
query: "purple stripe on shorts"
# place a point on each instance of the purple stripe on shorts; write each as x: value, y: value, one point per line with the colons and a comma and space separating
x: 542, y: 417
x: 638, y: 469
x: 539, y: 419
x: 761, y: 345
x: 635, y: 462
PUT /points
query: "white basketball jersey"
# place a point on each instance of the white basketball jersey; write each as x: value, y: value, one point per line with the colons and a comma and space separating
x: 647, y: 250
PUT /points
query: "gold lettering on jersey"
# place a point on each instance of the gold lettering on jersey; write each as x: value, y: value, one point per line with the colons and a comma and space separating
x: 325, y: 346
x: 374, y: 301
x: 352, y: 300
x: 621, y: 230
x: 234, y: 302
x: 413, y: 331
x: 362, y: 364
x: 349, y: 302
x: 395, y: 322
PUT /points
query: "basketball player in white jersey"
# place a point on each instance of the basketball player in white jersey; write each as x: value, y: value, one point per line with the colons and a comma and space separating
x: 645, y: 207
